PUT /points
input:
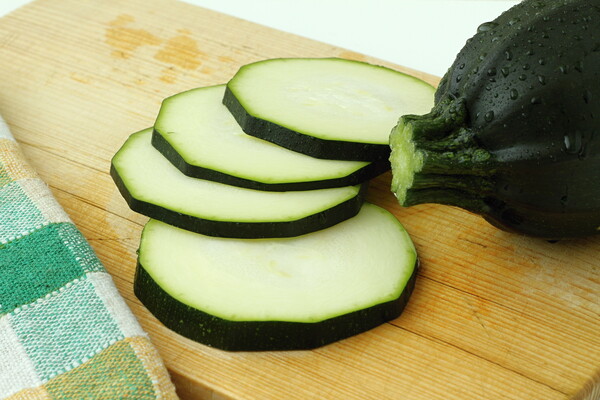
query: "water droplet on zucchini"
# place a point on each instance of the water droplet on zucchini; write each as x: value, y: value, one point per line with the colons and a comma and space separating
x: 587, y: 96
x: 573, y: 142
x: 486, y: 26
x: 513, y: 21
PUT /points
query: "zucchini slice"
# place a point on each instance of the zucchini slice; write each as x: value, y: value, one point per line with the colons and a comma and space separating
x: 201, y: 138
x: 152, y: 186
x: 278, y: 294
x: 325, y: 107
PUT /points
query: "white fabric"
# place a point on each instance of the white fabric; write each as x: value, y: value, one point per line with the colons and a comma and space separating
x: 5, y: 131
x: 39, y: 193
x: 116, y: 306
x: 16, y: 369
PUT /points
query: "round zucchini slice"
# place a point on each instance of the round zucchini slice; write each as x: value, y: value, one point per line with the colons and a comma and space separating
x: 198, y: 134
x: 325, y: 107
x: 278, y: 294
x: 152, y: 186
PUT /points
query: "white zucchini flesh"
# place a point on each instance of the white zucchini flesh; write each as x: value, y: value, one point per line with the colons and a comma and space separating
x: 331, y: 99
x: 203, y: 132
x: 150, y: 178
x: 356, y: 264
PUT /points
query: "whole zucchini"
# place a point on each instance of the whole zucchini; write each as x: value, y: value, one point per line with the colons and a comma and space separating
x: 514, y: 134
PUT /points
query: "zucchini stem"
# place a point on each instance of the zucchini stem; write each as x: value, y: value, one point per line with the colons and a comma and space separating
x: 437, y: 155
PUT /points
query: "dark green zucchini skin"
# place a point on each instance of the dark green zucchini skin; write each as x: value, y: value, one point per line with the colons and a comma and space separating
x: 309, y: 145
x: 244, y: 230
x: 364, y: 174
x: 514, y: 134
x: 261, y: 335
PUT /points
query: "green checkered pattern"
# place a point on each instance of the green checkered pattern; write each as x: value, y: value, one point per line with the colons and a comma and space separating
x: 65, y: 332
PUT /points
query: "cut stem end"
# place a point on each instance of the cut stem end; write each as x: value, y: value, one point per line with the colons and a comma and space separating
x: 405, y: 158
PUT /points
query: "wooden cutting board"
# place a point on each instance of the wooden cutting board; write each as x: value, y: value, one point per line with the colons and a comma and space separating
x: 493, y: 316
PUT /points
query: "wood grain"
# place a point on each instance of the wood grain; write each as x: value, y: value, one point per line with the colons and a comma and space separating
x: 493, y: 316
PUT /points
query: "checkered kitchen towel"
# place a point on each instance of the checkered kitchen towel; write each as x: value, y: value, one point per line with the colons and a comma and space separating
x: 65, y: 332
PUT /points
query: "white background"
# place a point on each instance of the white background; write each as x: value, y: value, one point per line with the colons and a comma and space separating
x: 424, y: 35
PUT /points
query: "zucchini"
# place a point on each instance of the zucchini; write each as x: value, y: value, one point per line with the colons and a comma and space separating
x: 199, y: 136
x: 277, y: 294
x: 152, y: 186
x: 513, y: 135
x: 324, y: 107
